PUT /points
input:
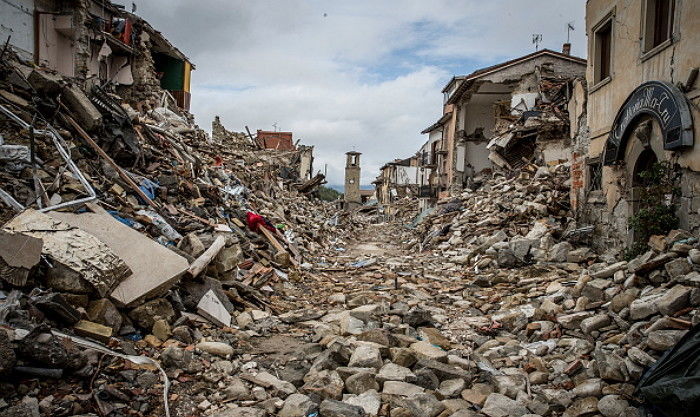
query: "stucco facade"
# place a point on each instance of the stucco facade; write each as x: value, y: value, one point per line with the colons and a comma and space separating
x: 633, y: 101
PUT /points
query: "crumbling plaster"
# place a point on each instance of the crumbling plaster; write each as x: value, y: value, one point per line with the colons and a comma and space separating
x: 630, y: 67
x: 17, y: 24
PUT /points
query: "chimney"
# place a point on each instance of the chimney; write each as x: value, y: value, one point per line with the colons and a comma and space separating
x: 566, y: 49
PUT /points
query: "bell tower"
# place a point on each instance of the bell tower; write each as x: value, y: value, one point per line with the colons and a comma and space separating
x: 352, y: 180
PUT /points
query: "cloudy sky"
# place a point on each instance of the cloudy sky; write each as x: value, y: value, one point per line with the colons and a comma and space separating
x: 361, y: 75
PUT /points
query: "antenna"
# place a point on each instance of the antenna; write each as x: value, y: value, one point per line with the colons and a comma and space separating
x: 569, y: 28
x: 274, y: 126
x: 536, y: 39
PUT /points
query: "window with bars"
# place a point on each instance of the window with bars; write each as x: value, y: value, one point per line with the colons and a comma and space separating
x: 595, y: 175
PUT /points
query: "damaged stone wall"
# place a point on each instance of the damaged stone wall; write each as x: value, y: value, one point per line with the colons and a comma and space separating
x: 219, y: 134
x: 690, y: 201
x: 146, y: 87
x: 608, y: 205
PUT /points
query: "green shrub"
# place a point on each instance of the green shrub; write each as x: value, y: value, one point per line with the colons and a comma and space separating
x: 656, y: 214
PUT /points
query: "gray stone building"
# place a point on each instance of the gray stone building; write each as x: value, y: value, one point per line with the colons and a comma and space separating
x: 353, y: 199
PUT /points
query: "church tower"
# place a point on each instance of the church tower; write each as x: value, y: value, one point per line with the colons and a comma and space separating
x: 352, y: 180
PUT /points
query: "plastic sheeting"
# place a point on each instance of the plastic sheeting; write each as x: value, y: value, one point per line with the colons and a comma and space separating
x: 671, y: 386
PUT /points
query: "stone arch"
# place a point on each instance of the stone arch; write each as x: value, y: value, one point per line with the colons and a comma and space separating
x: 644, y: 147
x: 645, y: 139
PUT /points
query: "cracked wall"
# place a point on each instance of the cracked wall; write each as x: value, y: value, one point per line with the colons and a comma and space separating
x: 631, y: 65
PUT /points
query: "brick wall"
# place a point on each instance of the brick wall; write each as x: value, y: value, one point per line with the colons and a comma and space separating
x: 276, y: 140
x: 578, y: 167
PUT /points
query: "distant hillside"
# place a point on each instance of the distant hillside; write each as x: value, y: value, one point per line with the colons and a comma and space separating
x: 341, y: 188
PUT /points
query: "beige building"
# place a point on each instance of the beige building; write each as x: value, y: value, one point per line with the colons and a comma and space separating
x: 642, y: 100
x: 396, y: 180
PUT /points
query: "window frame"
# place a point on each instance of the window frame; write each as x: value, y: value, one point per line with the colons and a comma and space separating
x: 599, y: 81
x: 646, y: 47
x: 593, y: 164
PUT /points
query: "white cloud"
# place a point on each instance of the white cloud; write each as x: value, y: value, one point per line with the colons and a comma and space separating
x: 367, y: 76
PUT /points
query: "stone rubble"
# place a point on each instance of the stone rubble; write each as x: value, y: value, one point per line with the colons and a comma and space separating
x: 492, y: 305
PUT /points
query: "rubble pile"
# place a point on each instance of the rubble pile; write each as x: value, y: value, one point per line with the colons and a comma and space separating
x: 506, y: 222
x: 400, y: 336
x: 147, y: 269
x: 555, y: 329
x: 534, y: 135
x: 404, y: 210
x: 134, y: 224
x: 573, y: 339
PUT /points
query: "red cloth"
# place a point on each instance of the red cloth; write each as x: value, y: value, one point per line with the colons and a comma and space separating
x: 255, y: 221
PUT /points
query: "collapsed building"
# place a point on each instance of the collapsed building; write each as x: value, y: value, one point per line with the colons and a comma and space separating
x: 275, y: 140
x: 95, y: 43
x: 396, y: 180
x: 210, y: 282
x: 499, y: 117
x: 642, y: 108
x: 123, y: 220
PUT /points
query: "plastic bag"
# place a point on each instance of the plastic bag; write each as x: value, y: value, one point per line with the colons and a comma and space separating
x: 671, y: 386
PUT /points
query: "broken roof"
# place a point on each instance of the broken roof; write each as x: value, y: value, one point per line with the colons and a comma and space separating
x: 160, y: 42
x: 452, y: 80
x: 397, y: 162
x: 441, y: 121
x: 503, y: 65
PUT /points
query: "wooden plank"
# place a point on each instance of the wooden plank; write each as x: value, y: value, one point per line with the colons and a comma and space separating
x: 275, y: 243
x: 205, y: 259
x: 122, y: 174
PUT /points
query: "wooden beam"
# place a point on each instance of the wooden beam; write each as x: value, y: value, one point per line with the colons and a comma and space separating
x: 205, y: 259
x: 275, y: 243
x: 122, y: 174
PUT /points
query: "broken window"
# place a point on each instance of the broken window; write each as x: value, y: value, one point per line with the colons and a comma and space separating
x: 658, y: 22
x: 433, y: 152
x: 603, y: 50
x: 595, y: 175
x: 174, y: 75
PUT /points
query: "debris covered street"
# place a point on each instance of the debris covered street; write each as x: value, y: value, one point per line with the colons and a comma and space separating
x: 515, y: 264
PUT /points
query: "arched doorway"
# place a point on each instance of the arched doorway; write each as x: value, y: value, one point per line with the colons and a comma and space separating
x: 645, y: 161
x: 653, y: 209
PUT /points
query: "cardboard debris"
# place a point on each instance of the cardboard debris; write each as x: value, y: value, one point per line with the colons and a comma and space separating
x: 154, y: 267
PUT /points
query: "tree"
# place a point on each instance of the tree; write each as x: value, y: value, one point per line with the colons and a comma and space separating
x: 328, y: 194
